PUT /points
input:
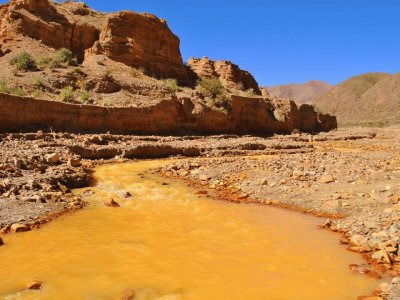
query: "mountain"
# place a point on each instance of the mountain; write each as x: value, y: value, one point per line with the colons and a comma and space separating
x: 371, y: 99
x: 300, y: 93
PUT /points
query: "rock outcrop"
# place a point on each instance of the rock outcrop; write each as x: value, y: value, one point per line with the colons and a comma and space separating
x: 45, y: 21
x: 142, y: 41
x: 138, y: 40
x: 174, y: 116
x: 229, y: 74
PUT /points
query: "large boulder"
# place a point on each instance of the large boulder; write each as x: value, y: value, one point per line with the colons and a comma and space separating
x: 229, y: 74
x: 142, y: 40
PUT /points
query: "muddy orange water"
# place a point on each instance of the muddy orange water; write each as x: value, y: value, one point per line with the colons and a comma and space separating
x: 168, y: 243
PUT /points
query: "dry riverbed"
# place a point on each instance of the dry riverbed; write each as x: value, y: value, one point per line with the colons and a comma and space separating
x: 349, y: 176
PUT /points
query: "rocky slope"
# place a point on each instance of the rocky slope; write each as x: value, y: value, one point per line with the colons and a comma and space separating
x: 300, y: 93
x: 369, y: 99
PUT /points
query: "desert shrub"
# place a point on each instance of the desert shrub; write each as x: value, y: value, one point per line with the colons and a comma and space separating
x: 137, y: 72
x: 63, y: 58
x: 38, y: 81
x: 171, y: 85
x: 45, y: 60
x: 84, y: 96
x: 3, y: 87
x: 210, y: 87
x: 37, y: 93
x: 18, y: 91
x: 250, y: 93
x: 67, y: 94
x: 23, y: 61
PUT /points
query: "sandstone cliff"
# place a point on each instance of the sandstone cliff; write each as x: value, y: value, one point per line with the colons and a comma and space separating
x: 229, y: 74
x: 136, y: 39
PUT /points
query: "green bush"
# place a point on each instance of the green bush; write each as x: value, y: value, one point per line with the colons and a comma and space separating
x: 38, y: 81
x: 67, y: 94
x: 18, y: 91
x: 84, y: 96
x: 23, y: 61
x: 210, y: 87
x: 3, y: 87
x: 171, y: 85
x: 63, y: 58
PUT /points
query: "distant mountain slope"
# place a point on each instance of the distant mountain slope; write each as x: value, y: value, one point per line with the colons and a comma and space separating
x: 300, y: 93
x: 371, y: 99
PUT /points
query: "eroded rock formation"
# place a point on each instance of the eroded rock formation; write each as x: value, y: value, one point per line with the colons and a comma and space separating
x: 174, y: 116
x: 230, y: 75
x: 136, y: 39
x: 142, y: 41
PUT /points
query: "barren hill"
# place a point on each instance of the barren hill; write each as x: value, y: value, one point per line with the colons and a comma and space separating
x: 300, y: 93
x: 371, y: 99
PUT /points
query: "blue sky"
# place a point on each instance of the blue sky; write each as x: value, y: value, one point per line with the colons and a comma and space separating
x: 283, y: 41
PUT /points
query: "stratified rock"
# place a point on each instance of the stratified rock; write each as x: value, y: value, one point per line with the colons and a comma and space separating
x: 142, y: 40
x: 229, y: 74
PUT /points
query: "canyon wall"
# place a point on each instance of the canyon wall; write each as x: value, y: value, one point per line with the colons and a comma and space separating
x: 175, y: 116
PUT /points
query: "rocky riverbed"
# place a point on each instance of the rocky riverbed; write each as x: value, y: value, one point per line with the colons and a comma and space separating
x: 349, y: 176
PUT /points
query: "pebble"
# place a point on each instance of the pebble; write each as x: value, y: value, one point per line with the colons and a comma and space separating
x: 19, y: 228
x: 34, y: 285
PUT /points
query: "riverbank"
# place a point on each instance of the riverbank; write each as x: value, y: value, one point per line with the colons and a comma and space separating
x: 350, y: 176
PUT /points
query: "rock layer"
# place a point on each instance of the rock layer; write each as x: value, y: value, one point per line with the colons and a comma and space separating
x: 174, y: 116
x: 229, y: 74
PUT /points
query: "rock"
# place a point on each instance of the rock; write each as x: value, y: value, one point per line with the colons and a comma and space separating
x: 359, y: 240
x: 1, y: 242
x: 112, y: 203
x: 203, y: 177
x: 327, y: 179
x: 74, y: 162
x: 382, y: 256
x: 229, y: 74
x: 43, y: 22
x: 371, y: 224
x: 394, y: 289
x: 128, y: 294
x: 141, y: 40
x: 34, y: 285
x: 19, y: 228
x: 53, y: 158
x: 264, y: 182
x: 395, y: 199
x: 63, y: 188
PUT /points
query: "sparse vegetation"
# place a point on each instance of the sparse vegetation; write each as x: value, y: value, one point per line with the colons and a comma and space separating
x: 171, y: 85
x: 64, y: 58
x: 16, y: 91
x: 137, y: 72
x: 23, y: 62
x: 38, y: 81
x: 210, y: 87
x: 67, y: 94
x: 84, y: 97
x: 250, y: 93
